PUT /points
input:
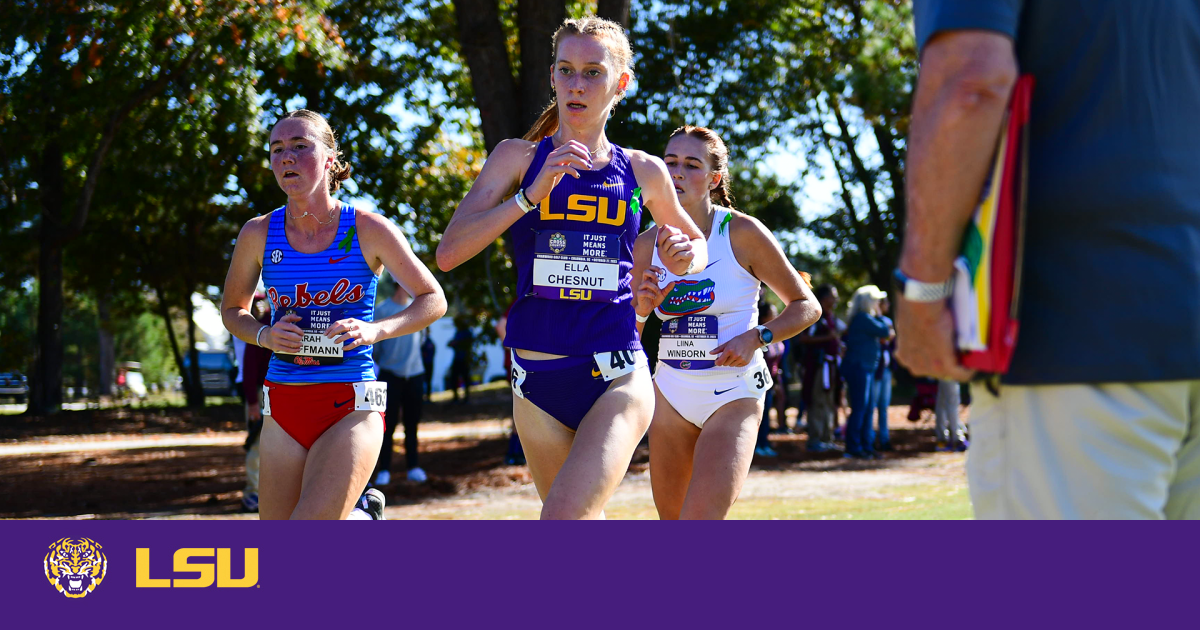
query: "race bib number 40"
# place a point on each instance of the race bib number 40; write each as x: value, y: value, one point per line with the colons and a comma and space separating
x: 317, y: 349
x: 612, y: 365
x: 687, y: 342
x: 576, y: 265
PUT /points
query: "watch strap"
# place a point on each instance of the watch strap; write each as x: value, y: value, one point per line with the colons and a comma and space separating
x: 917, y: 291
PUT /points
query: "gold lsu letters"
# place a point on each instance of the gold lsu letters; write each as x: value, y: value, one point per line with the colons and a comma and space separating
x: 585, y: 208
x: 574, y: 294
x: 207, y: 572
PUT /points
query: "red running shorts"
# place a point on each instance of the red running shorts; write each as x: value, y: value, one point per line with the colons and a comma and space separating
x: 305, y: 412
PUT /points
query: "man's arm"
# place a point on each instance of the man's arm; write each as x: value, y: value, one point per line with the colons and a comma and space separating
x: 962, y: 91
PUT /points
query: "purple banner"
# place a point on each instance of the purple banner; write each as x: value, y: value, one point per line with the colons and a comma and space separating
x: 608, y: 574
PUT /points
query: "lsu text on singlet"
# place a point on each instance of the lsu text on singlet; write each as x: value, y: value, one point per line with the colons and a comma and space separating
x: 320, y: 288
x: 574, y: 256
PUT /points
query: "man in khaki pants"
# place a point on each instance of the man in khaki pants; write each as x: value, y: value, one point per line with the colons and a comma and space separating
x: 1098, y: 415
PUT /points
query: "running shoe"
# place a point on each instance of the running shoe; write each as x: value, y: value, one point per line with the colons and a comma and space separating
x: 765, y: 451
x: 962, y: 445
x: 250, y: 502
x: 383, y: 478
x: 372, y: 502
x: 941, y: 447
x: 416, y: 475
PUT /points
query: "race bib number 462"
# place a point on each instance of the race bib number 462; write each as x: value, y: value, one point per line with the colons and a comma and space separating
x: 370, y: 396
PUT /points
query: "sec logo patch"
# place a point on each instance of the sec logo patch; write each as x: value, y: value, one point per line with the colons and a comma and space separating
x: 276, y: 256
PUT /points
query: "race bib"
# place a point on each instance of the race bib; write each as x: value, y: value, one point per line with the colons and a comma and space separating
x: 576, y: 265
x: 759, y: 379
x: 613, y: 365
x: 686, y: 342
x: 317, y: 349
x: 517, y: 377
x: 266, y: 401
x: 370, y: 396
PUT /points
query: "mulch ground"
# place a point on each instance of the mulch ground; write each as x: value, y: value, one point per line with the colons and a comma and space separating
x: 208, y: 480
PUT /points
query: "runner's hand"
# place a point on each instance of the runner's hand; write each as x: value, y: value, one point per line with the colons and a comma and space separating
x: 568, y: 159
x: 675, y: 249
x: 649, y: 295
x: 925, y: 340
x: 739, y: 351
x: 360, y: 333
x: 255, y: 412
x: 285, y: 336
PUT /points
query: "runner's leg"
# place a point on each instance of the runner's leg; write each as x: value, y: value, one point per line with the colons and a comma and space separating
x: 281, y: 468
x: 338, y: 466
x: 602, y: 449
x: 722, y: 459
x: 672, y: 446
x: 547, y: 442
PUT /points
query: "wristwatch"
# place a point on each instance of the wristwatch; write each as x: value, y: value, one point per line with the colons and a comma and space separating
x: 917, y: 291
x: 764, y: 335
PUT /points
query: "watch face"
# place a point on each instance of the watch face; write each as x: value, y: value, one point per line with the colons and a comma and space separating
x: 766, y: 335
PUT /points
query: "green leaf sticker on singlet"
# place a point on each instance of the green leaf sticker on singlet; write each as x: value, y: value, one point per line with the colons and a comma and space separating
x: 634, y: 205
x: 724, y: 222
x: 345, y: 244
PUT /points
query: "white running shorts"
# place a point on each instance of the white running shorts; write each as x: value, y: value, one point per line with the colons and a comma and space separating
x: 697, y: 395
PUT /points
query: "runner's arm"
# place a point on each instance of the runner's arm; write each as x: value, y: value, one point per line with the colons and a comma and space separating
x: 643, y: 255
x: 241, y: 280
x: 658, y: 194
x: 384, y: 246
x: 490, y: 206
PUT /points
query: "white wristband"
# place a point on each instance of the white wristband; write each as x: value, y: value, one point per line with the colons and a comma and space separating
x: 641, y: 318
x: 259, y: 336
x: 523, y: 201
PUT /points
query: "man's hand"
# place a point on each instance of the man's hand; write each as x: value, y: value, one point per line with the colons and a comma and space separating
x: 925, y: 343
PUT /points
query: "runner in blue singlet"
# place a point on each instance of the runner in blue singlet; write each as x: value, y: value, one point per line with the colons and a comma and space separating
x: 582, y: 394
x: 320, y: 261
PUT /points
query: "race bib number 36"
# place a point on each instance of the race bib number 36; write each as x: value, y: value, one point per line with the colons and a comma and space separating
x: 576, y: 265
x: 370, y: 396
x: 686, y: 342
x: 317, y: 349
x: 759, y: 380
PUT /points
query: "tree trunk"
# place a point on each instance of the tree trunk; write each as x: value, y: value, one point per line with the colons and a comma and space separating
x: 107, y: 347
x: 615, y: 10
x: 47, y: 398
x: 195, y: 395
x: 164, y: 311
x: 486, y: 51
x: 537, y: 20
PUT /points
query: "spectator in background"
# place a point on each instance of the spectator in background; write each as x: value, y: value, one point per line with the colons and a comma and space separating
x: 882, y: 385
x: 946, y: 427
x: 821, y: 345
x: 515, y: 455
x: 460, y: 368
x: 252, y: 368
x: 398, y: 361
x: 428, y: 349
x: 863, y: 334
x: 773, y: 354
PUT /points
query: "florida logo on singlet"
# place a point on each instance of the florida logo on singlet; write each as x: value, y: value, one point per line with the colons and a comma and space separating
x: 75, y: 566
x: 689, y: 296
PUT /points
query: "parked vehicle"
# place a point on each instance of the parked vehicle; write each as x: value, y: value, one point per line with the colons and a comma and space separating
x: 14, y: 385
x: 216, y: 372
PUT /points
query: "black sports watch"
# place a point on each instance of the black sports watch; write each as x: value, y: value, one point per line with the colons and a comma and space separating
x: 764, y: 335
x: 917, y: 291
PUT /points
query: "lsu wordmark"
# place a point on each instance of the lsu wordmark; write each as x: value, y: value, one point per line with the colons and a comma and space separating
x: 207, y: 572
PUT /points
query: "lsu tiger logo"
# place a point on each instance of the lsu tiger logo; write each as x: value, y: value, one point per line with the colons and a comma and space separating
x: 75, y: 566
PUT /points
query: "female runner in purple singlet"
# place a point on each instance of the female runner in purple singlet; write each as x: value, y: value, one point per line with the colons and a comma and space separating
x: 711, y: 378
x: 583, y: 397
x: 320, y: 260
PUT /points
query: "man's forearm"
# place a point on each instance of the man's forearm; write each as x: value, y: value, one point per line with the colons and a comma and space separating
x: 962, y: 91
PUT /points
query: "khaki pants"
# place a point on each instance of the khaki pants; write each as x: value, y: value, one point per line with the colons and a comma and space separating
x: 820, y: 415
x: 1110, y: 451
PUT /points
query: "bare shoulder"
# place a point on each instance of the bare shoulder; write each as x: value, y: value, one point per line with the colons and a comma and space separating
x: 748, y: 233
x: 645, y: 165
x: 374, y: 228
x: 254, y: 231
x: 514, y: 154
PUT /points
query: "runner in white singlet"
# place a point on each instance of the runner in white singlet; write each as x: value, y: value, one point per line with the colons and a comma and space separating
x: 711, y: 378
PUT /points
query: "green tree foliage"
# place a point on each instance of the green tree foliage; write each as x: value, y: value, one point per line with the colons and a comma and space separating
x: 72, y: 74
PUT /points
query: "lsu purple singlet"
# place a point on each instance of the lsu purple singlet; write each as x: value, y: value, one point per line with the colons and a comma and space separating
x: 574, y: 258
